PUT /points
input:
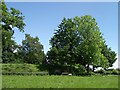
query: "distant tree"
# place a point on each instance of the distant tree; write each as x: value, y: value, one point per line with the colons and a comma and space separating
x: 32, y: 50
x: 11, y: 19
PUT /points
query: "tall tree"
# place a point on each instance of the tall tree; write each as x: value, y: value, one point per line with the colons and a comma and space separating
x: 77, y: 41
x: 90, y: 48
x: 64, y: 43
x: 11, y: 19
x: 32, y: 50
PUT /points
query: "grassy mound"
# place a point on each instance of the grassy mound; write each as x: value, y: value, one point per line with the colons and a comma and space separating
x: 19, y: 69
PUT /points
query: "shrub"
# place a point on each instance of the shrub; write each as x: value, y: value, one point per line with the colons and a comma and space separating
x: 108, y: 72
x: 115, y: 72
x: 101, y: 71
x: 112, y: 71
x: 79, y: 69
x: 118, y: 69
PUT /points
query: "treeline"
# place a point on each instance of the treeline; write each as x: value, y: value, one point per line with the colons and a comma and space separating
x: 78, y: 45
x: 31, y: 50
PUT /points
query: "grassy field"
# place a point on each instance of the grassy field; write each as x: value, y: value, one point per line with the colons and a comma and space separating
x: 59, y: 82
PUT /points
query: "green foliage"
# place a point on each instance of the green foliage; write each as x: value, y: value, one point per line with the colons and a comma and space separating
x: 11, y: 19
x: 79, y: 69
x: 63, y: 43
x: 101, y: 71
x: 108, y: 72
x: 31, y: 50
x: 115, y: 72
x: 78, y: 41
x: 109, y: 54
x: 90, y: 49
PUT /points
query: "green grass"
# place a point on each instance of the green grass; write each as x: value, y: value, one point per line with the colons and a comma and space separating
x: 60, y: 82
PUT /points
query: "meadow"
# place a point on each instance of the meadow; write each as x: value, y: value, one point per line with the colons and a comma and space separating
x: 98, y: 81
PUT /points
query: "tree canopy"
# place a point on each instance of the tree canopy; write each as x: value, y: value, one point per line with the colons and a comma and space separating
x: 11, y: 19
x: 78, y: 41
x: 31, y: 50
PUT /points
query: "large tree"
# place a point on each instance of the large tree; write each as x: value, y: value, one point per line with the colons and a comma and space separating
x: 11, y: 19
x: 31, y: 50
x: 64, y: 43
x: 89, y: 50
x: 77, y: 41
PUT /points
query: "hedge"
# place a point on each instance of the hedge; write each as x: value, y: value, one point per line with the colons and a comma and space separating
x: 108, y: 72
x: 26, y: 73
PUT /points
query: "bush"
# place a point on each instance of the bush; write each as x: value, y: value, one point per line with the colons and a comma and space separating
x: 118, y: 69
x: 108, y: 72
x: 101, y: 71
x: 79, y: 69
x: 112, y: 72
x: 115, y: 72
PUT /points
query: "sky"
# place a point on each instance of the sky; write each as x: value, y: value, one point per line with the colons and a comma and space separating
x: 62, y: 0
x: 42, y: 18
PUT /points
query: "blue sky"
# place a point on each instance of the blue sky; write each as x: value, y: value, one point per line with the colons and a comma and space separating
x: 43, y: 18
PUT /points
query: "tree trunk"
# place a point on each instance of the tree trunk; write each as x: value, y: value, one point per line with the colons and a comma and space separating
x: 93, y: 68
x: 88, y: 68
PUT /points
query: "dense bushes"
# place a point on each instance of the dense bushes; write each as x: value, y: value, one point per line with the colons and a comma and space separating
x: 79, y: 69
x: 101, y: 71
x: 108, y: 72
x: 114, y: 71
x: 21, y: 69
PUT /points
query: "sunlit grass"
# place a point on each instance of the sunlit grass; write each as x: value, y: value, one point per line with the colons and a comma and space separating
x: 60, y: 82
